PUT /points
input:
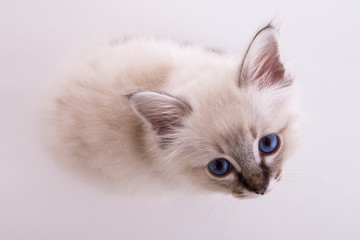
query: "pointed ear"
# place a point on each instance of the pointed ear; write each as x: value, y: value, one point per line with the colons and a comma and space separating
x: 262, y: 64
x: 164, y: 112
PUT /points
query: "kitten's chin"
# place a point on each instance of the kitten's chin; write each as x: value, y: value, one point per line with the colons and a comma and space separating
x: 246, y: 195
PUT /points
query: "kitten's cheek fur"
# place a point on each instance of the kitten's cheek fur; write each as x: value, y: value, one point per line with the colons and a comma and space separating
x: 273, y: 182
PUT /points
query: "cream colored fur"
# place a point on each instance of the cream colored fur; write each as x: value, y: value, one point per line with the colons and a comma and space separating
x: 95, y: 119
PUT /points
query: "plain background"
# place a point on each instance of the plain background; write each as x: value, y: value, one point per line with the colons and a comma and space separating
x: 320, y: 199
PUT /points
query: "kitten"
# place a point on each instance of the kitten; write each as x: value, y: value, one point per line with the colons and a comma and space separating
x: 148, y: 111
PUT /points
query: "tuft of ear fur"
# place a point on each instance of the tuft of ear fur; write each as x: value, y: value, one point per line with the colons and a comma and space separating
x: 165, y: 113
x: 262, y: 64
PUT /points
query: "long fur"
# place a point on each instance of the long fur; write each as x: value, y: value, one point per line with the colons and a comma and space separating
x: 154, y: 112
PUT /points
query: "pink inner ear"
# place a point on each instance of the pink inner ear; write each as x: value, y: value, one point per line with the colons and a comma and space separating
x: 269, y: 70
x: 165, y: 120
x: 165, y: 113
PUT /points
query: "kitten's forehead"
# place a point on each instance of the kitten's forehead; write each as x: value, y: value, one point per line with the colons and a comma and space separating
x: 247, y: 110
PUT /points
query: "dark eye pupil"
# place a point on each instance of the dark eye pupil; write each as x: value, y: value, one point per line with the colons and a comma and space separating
x: 218, y: 164
x: 267, y: 141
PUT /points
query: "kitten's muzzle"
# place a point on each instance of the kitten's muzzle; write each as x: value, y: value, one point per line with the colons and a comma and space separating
x: 261, y: 189
x: 256, y: 183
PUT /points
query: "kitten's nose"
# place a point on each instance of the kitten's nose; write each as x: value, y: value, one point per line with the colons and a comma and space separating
x: 261, y: 189
x: 258, y: 184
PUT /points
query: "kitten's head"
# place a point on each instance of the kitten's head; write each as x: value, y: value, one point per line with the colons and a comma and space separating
x: 230, y: 136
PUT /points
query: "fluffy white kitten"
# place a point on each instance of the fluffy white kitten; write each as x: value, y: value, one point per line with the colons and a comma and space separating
x: 148, y: 111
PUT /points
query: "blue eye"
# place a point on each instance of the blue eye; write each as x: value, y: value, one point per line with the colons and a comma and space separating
x: 269, y: 143
x: 219, y: 166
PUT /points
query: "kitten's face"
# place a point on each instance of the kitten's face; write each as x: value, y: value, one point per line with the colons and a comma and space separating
x: 233, y: 136
x: 240, y: 148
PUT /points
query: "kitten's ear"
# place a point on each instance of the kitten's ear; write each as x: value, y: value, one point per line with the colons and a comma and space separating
x: 164, y: 112
x: 262, y: 64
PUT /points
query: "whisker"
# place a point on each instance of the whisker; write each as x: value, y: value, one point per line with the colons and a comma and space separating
x: 228, y: 209
x: 216, y: 205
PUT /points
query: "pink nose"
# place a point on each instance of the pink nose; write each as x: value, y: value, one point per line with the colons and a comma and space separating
x: 257, y: 184
x: 261, y: 189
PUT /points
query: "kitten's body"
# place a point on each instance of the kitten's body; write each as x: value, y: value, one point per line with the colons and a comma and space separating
x: 149, y: 110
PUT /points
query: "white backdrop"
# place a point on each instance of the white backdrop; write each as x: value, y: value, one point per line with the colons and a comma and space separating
x: 320, y: 44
